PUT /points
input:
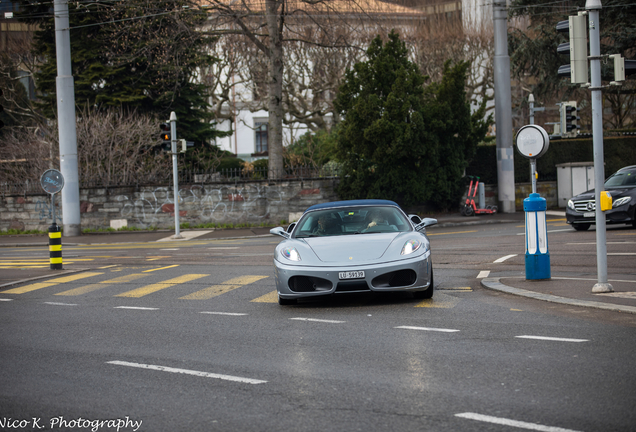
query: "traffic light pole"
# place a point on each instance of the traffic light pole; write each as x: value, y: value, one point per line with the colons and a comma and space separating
x: 175, y: 173
x: 593, y: 7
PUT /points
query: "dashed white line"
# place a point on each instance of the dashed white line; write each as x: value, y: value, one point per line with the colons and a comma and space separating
x: 224, y: 313
x: 512, y: 423
x: 318, y: 320
x: 60, y: 304
x: 483, y: 274
x: 502, y: 259
x: 188, y: 372
x: 556, y: 339
x: 135, y: 308
x: 427, y: 329
x: 6, y: 299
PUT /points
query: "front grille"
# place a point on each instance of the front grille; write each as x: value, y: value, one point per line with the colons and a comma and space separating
x: 394, y: 279
x: 584, y: 206
x: 308, y: 284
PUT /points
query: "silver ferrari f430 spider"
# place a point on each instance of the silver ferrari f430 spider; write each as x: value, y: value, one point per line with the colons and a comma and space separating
x: 353, y: 246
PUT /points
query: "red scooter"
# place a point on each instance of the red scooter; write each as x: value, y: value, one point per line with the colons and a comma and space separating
x: 470, y: 208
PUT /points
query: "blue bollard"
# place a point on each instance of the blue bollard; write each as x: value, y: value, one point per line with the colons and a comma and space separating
x: 537, y: 254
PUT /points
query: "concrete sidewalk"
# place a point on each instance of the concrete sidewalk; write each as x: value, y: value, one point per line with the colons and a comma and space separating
x: 574, y: 289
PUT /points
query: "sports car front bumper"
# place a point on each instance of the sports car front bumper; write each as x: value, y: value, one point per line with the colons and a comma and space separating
x: 296, y: 281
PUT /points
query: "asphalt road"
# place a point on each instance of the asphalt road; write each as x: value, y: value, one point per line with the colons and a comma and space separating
x: 189, y: 337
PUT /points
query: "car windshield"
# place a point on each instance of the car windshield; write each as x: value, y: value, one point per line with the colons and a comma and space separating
x: 352, y: 220
x: 621, y: 179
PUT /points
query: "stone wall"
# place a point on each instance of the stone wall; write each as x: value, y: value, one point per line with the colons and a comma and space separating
x: 153, y: 206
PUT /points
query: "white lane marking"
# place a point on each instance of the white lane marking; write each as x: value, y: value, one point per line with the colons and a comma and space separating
x: 6, y: 299
x: 60, y: 304
x: 135, y: 308
x: 188, y: 372
x: 620, y: 253
x: 224, y: 313
x: 552, y: 338
x: 502, y: 259
x: 318, y: 320
x: 427, y: 329
x: 234, y: 247
x: 483, y: 274
x: 169, y: 249
x: 512, y: 423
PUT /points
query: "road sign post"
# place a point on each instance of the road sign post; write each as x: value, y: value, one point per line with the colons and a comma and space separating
x: 532, y: 142
x: 52, y: 182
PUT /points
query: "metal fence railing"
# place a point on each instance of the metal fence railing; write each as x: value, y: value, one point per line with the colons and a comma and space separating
x: 234, y: 175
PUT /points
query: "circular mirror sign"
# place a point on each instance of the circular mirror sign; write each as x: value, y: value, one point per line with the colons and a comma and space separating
x: 532, y: 141
x: 52, y: 181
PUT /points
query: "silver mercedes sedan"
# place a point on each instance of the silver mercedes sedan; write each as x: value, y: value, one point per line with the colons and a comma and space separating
x: 353, y: 246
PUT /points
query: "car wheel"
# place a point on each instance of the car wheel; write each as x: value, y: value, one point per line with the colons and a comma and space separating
x: 581, y: 227
x: 286, y: 302
x: 469, y: 210
x: 427, y: 293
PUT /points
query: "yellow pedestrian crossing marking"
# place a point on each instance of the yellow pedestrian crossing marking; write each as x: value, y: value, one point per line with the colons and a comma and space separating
x: 94, y: 287
x: 39, y: 285
x: 226, y: 286
x: 162, y: 268
x: 271, y: 297
x: 149, y: 289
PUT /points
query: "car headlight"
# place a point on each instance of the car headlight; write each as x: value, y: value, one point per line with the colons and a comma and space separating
x: 571, y: 204
x: 411, y: 246
x: 291, y: 254
x: 619, y: 202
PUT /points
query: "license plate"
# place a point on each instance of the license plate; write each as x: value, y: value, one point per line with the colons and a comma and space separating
x: 351, y: 275
x: 589, y: 214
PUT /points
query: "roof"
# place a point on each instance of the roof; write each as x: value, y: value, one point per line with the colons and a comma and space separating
x: 370, y: 7
x: 353, y: 203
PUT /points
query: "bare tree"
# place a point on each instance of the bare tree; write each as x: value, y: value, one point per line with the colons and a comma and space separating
x: 273, y: 25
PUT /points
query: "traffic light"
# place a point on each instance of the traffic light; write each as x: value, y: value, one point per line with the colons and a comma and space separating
x: 577, y: 70
x: 569, y: 119
x: 166, y: 139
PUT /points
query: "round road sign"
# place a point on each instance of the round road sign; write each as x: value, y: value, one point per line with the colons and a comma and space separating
x: 532, y: 141
x: 52, y: 181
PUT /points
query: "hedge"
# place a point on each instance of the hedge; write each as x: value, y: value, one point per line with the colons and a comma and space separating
x: 618, y: 152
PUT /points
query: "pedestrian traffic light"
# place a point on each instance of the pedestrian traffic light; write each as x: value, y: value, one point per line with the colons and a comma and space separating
x: 569, y: 119
x: 576, y: 48
x: 166, y: 139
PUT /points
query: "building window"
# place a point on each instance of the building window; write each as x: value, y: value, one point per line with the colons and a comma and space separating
x: 261, y: 137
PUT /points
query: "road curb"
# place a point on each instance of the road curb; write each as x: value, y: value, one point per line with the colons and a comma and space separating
x: 62, y: 273
x: 496, y: 285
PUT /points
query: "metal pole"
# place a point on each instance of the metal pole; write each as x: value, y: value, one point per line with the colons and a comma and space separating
x: 593, y: 7
x: 533, y: 162
x: 175, y: 173
x: 66, y: 122
x: 503, y: 109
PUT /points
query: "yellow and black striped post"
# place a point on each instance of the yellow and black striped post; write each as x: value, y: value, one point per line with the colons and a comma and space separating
x: 55, y: 247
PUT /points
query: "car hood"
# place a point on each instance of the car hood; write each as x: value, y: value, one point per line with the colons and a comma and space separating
x: 615, y: 192
x: 355, y: 248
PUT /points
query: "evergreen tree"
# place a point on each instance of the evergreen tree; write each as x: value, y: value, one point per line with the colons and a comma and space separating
x: 139, y: 55
x: 399, y: 139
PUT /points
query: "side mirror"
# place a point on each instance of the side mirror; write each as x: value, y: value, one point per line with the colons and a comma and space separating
x: 279, y: 231
x: 415, y: 219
